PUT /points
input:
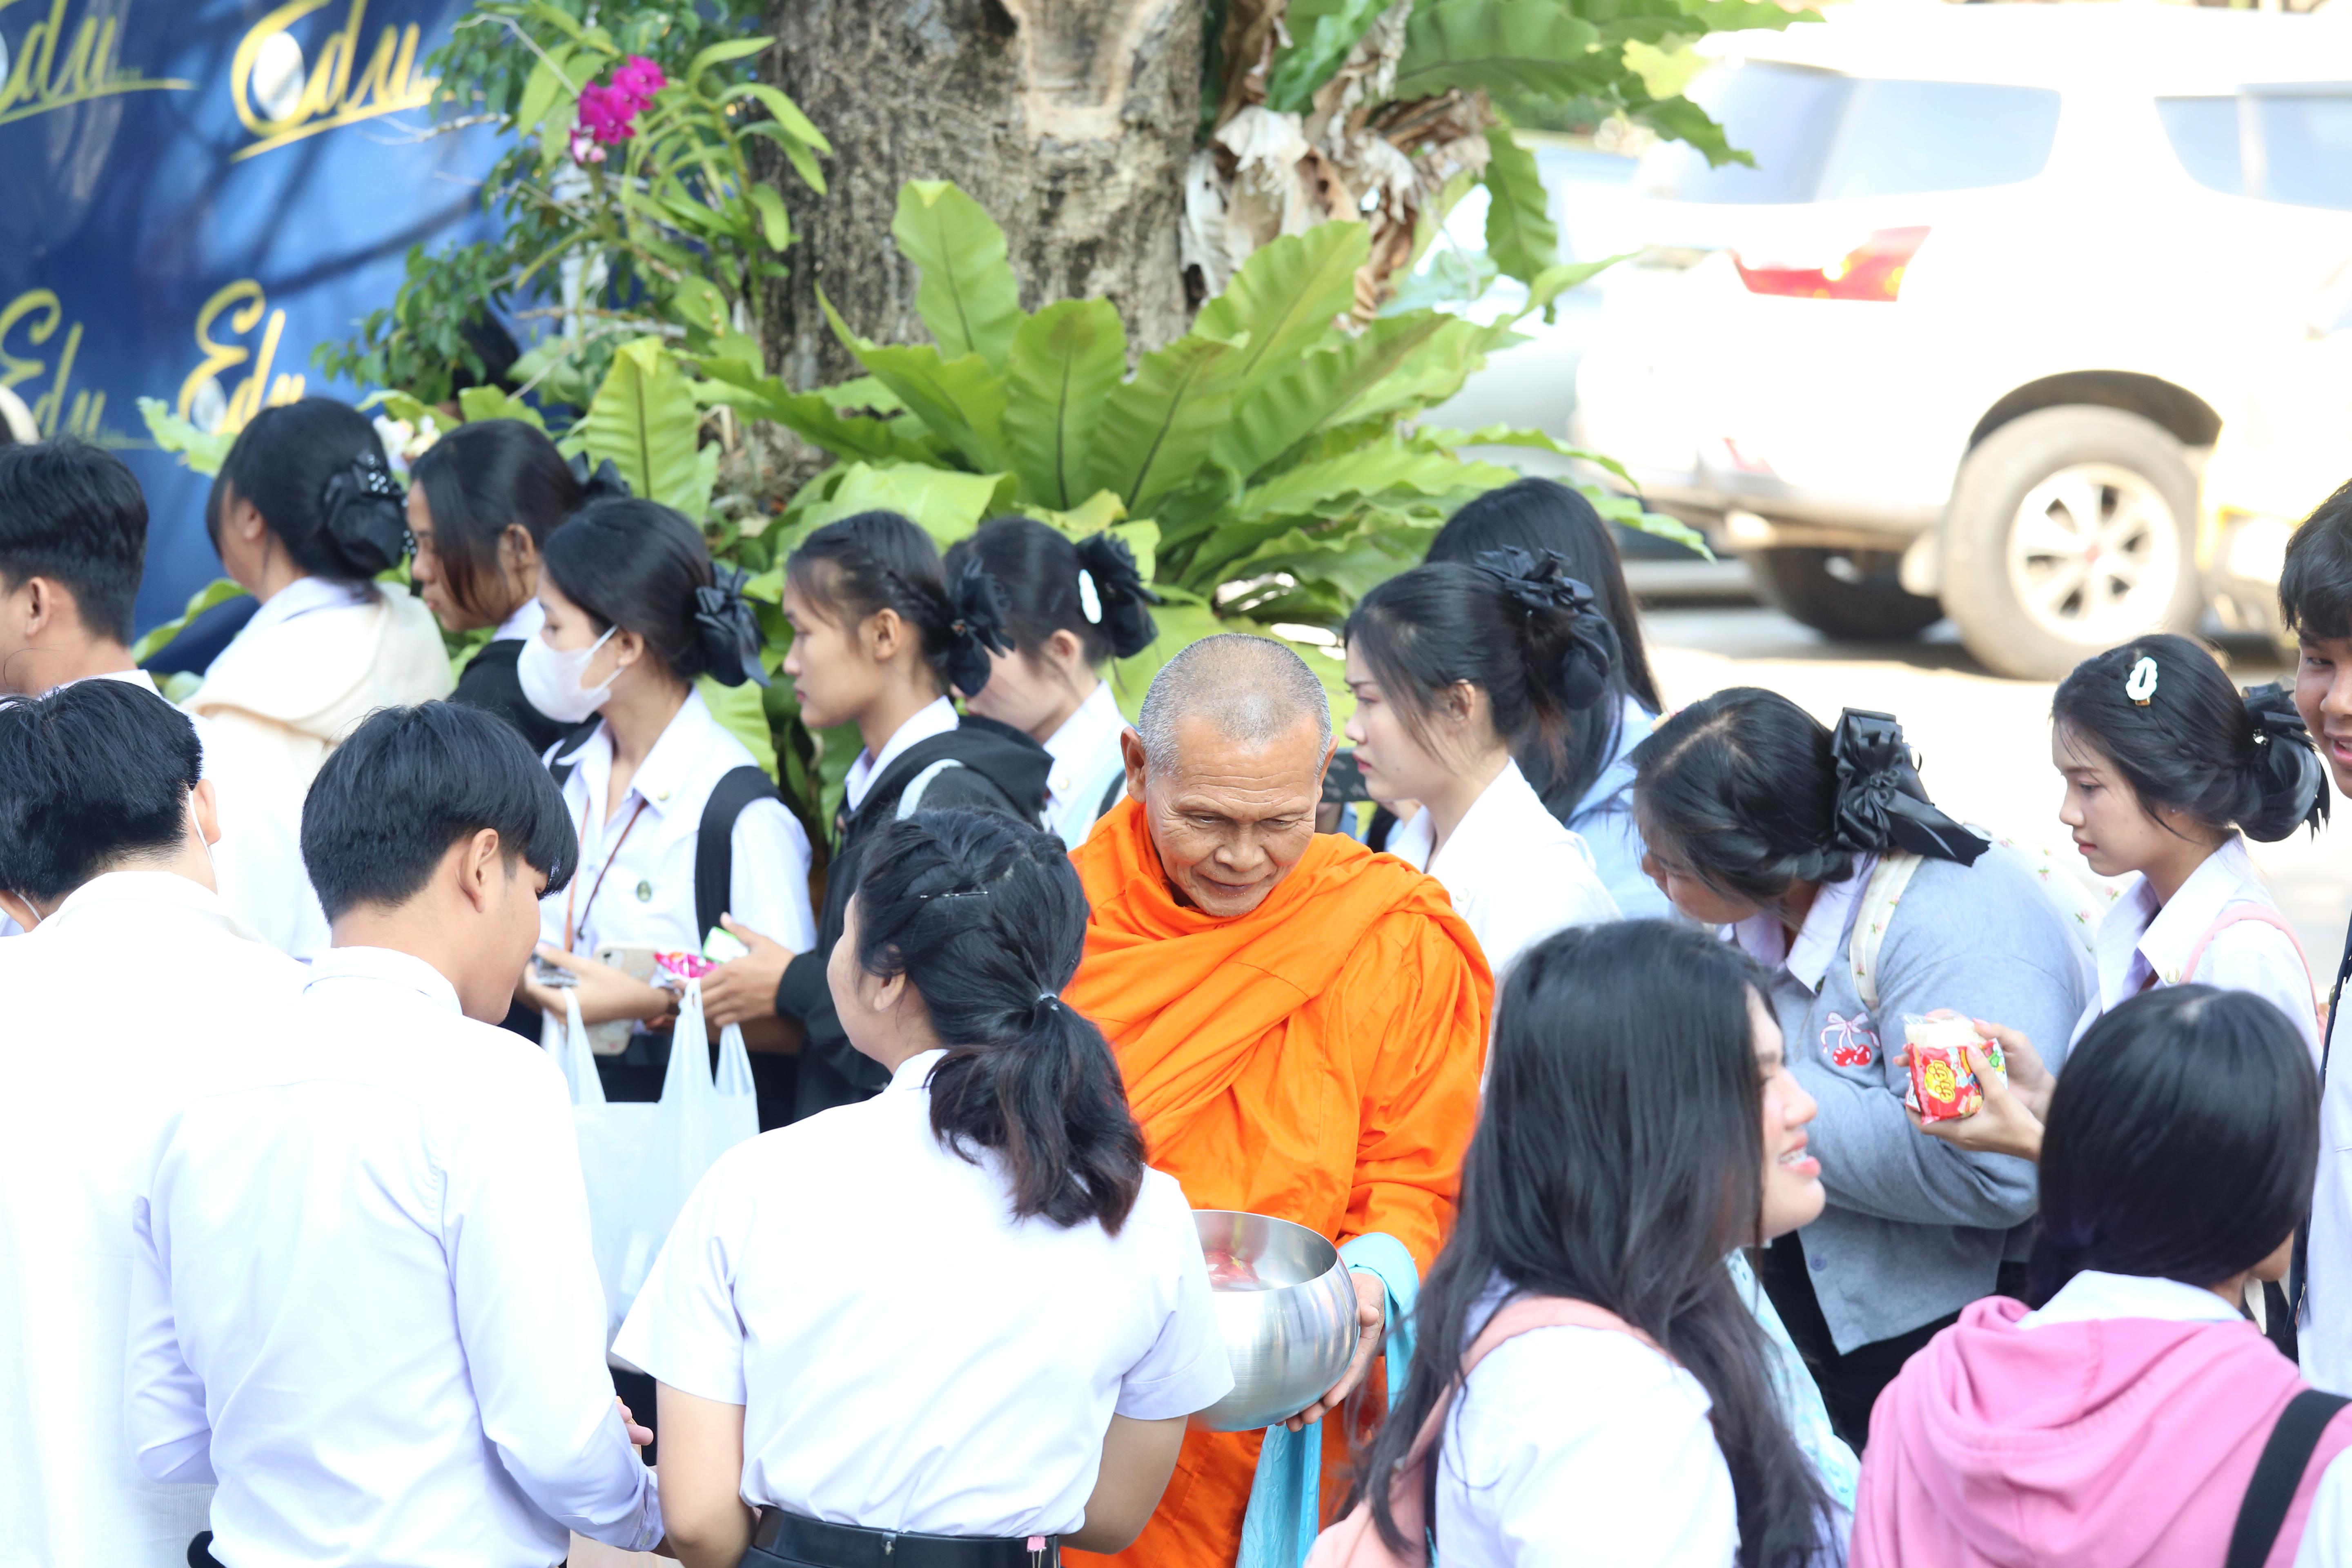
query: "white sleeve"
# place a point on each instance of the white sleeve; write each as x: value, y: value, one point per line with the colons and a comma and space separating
x: 684, y: 1328
x: 1185, y: 1369
x: 530, y: 1312
x: 2252, y: 956
x: 769, y: 888
x: 164, y: 1401
x: 1578, y: 1446
x: 2327, y: 1528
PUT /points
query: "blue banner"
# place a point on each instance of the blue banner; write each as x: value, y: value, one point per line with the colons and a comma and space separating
x: 192, y: 194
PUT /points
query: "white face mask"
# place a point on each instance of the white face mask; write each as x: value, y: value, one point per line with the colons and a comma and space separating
x: 550, y: 679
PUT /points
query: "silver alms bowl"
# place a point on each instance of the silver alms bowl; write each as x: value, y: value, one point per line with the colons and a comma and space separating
x: 1289, y: 1334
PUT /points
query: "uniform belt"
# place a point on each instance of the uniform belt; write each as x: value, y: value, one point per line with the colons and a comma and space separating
x: 790, y: 1538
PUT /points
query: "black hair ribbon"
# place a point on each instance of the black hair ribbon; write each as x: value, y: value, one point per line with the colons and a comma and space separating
x: 731, y: 632
x: 603, y: 482
x: 2289, y: 750
x: 981, y: 609
x: 363, y: 508
x: 1881, y: 804
x: 1539, y: 581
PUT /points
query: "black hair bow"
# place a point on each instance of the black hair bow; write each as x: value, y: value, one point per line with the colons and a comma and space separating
x: 1122, y: 592
x: 603, y: 482
x: 363, y: 509
x: 731, y: 632
x: 981, y: 609
x: 2288, y: 757
x: 1881, y: 804
x: 1538, y: 581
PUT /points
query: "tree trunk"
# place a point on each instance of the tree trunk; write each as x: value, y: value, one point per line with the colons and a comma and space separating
x: 1072, y: 121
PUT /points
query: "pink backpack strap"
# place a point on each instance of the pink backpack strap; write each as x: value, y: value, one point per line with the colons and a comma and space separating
x: 2237, y: 914
x: 1353, y: 1541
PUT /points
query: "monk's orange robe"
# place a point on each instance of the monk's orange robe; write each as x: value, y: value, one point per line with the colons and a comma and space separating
x: 1316, y: 1059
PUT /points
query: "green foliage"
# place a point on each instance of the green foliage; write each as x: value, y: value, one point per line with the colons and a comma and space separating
x: 670, y: 235
x: 1265, y: 466
x: 203, y: 450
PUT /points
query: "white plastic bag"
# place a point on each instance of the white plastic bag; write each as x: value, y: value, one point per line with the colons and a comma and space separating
x: 642, y: 1159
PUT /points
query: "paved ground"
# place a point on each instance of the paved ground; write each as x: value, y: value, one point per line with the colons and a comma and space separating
x: 1983, y: 742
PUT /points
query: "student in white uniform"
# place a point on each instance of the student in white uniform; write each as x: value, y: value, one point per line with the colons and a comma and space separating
x: 633, y: 614
x: 1640, y: 1124
x: 363, y: 1299
x: 304, y: 514
x: 2168, y: 769
x: 132, y: 991
x: 880, y: 637
x: 1073, y: 609
x: 2121, y: 1412
x: 964, y: 1308
x: 1585, y: 771
x: 73, y: 541
x: 481, y: 503
x: 1448, y: 663
x: 2315, y: 602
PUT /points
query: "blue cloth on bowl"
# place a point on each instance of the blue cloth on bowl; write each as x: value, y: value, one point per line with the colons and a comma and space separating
x: 1284, y: 1499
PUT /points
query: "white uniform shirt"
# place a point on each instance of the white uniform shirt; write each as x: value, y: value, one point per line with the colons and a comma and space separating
x: 910, y: 1356
x: 646, y: 867
x: 2324, y: 1326
x: 362, y: 1297
x: 1582, y: 1449
x: 133, y: 995
x: 1086, y: 759
x: 2142, y: 943
x: 936, y: 718
x: 529, y: 616
x: 1513, y: 871
x: 2093, y: 1295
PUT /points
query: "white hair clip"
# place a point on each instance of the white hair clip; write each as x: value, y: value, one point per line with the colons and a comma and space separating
x: 1089, y: 600
x: 2140, y: 684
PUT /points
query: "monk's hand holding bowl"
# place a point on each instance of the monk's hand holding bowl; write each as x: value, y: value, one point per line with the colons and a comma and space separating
x: 1371, y: 1320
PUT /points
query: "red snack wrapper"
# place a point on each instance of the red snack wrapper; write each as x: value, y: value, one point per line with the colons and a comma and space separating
x: 1942, y: 1085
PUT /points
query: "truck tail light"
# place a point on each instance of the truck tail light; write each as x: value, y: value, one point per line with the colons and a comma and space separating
x: 1871, y: 271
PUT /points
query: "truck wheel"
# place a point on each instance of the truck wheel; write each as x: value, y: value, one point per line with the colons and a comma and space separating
x: 1849, y: 596
x: 2070, y: 531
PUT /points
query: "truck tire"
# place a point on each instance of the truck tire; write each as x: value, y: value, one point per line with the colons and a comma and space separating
x: 2070, y: 531
x: 1847, y: 595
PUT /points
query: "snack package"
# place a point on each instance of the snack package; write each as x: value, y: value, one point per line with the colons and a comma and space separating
x: 1943, y: 1089
x: 682, y: 967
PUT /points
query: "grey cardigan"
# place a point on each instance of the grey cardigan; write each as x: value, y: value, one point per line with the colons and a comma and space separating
x: 1914, y: 1228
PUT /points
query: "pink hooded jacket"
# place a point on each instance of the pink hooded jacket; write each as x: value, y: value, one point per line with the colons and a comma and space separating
x: 2107, y: 1443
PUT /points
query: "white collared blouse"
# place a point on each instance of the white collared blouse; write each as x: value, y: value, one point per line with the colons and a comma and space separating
x: 1513, y: 871
x: 1086, y: 758
x: 910, y: 1356
x: 2142, y: 943
x: 935, y: 718
x: 361, y: 1295
x: 634, y: 886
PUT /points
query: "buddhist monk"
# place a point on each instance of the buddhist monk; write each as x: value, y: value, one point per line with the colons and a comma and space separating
x: 1300, y: 1023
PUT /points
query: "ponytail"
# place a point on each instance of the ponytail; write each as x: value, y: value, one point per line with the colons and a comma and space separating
x: 986, y: 919
x: 1091, y: 589
x: 2164, y: 713
x: 641, y: 566
x: 878, y: 561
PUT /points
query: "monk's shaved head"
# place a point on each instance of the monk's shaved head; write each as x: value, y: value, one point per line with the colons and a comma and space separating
x: 1249, y: 689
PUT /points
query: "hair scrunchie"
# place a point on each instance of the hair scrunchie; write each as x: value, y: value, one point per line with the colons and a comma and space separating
x: 1538, y: 581
x: 1122, y: 593
x: 2295, y: 779
x: 603, y: 482
x: 365, y: 513
x: 980, y: 608
x: 1881, y: 804
x: 729, y: 631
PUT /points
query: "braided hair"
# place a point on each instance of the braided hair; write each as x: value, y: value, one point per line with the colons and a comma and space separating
x: 860, y: 565
x: 985, y: 918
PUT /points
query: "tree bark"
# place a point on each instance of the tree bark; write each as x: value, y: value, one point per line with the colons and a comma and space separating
x: 1072, y: 121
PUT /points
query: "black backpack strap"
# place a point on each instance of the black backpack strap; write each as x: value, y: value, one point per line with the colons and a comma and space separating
x: 714, y: 843
x: 2278, y: 1474
x: 1112, y: 796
